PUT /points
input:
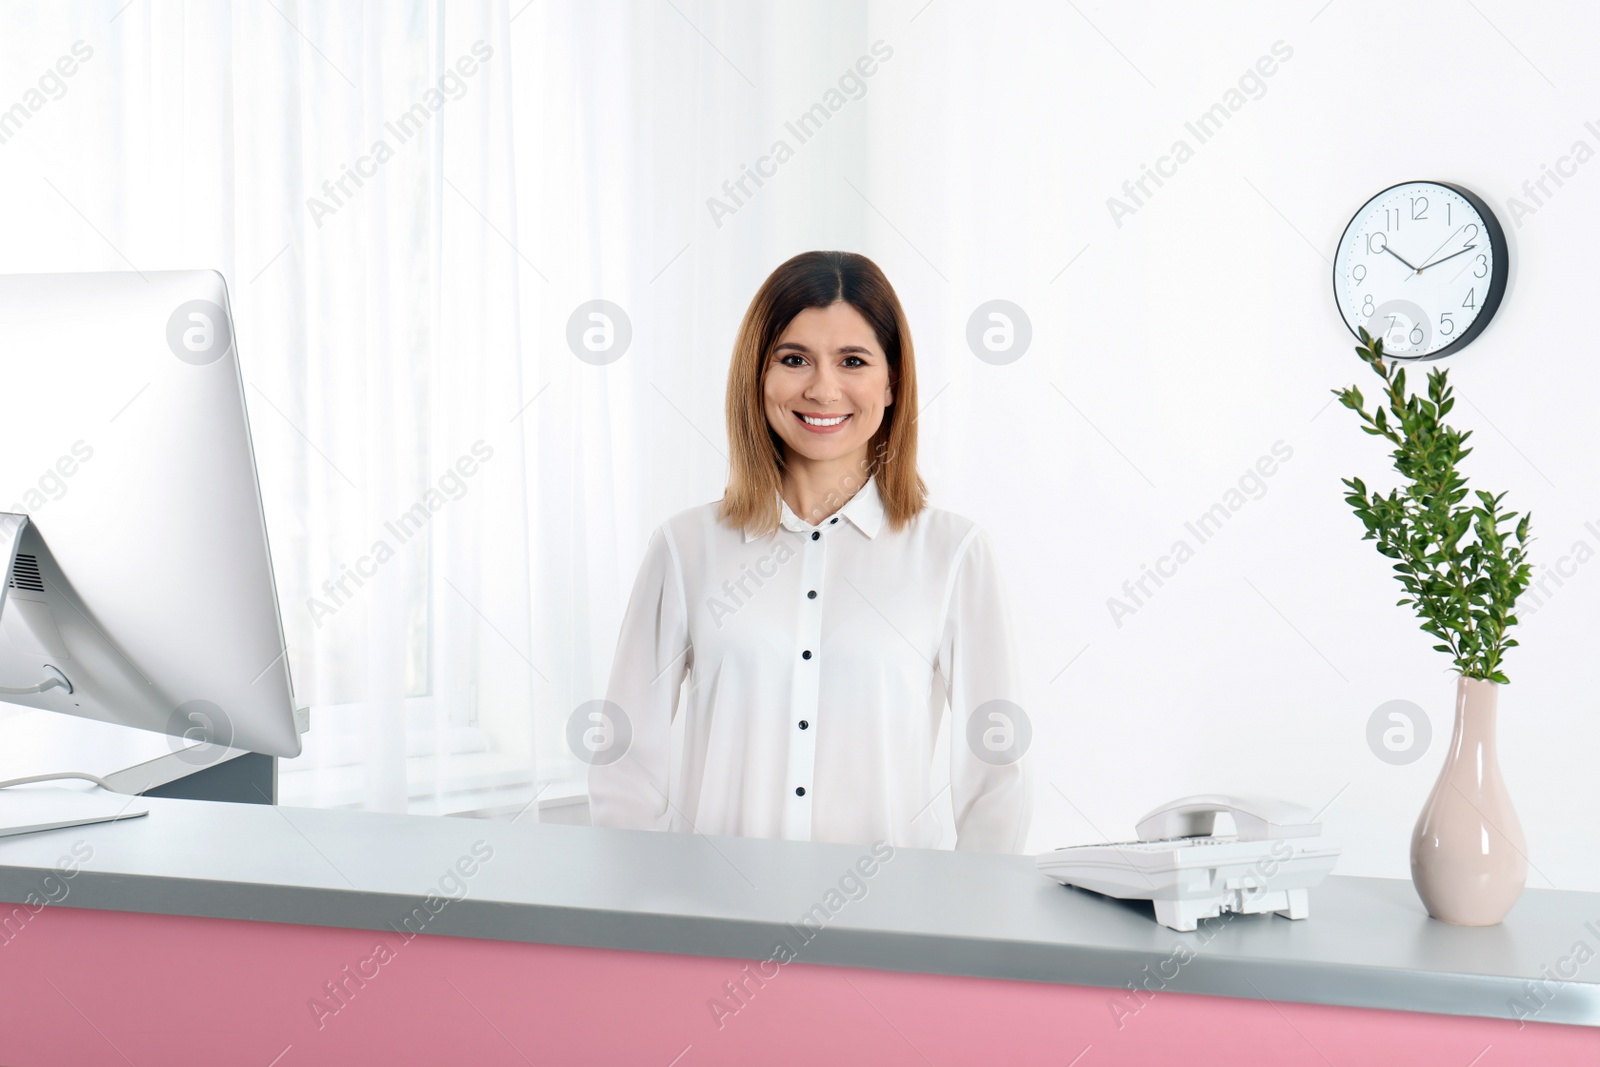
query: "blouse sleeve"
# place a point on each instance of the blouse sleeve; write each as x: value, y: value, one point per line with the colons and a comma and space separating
x: 653, y: 656
x: 990, y: 780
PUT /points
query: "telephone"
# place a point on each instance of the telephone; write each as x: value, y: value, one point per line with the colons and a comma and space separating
x: 1190, y: 870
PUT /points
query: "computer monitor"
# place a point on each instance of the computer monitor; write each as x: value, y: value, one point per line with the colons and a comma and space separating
x: 138, y: 586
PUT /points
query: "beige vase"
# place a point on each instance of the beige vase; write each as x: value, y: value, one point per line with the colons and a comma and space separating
x: 1468, y: 856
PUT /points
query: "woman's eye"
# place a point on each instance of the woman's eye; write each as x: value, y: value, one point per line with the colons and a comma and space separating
x: 858, y: 361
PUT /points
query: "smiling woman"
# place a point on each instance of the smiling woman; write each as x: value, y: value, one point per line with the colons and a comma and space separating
x: 815, y: 702
x: 825, y: 338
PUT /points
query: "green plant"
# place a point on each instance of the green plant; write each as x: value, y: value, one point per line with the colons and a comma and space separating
x: 1461, y: 573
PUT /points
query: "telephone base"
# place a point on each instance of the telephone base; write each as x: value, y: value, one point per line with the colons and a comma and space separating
x: 1191, y: 869
x: 1185, y: 915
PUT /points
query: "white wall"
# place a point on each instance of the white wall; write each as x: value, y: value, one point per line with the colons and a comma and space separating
x: 1201, y: 331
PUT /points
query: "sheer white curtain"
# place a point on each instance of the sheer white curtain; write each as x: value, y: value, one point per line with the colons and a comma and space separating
x: 350, y: 171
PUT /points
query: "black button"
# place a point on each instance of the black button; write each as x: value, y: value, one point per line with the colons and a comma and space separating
x: 800, y: 791
x: 806, y: 654
x: 833, y: 520
x: 804, y: 724
x: 815, y: 535
x: 812, y: 594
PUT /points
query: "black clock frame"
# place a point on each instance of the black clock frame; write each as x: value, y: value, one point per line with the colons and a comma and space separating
x: 1497, y: 279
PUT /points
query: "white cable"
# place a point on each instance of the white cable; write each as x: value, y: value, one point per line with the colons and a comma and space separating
x: 56, y: 681
x: 95, y: 778
x: 49, y: 683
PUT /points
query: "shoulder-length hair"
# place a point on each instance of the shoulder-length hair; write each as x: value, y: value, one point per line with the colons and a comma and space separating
x: 819, y: 280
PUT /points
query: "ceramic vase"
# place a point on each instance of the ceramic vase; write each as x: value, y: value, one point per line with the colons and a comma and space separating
x: 1468, y: 856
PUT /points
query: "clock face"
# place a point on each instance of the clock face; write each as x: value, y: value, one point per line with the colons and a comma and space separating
x: 1422, y: 267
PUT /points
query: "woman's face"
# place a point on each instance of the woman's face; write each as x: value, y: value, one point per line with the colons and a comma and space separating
x: 827, y: 363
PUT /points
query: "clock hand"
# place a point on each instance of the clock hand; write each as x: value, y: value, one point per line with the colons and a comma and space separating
x: 1442, y: 243
x: 1401, y: 258
x: 1447, y: 240
x: 1452, y: 255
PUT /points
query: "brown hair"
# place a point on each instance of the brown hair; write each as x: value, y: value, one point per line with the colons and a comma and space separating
x: 819, y: 280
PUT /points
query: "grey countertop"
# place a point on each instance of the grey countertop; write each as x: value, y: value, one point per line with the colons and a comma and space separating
x: 1368, y: 942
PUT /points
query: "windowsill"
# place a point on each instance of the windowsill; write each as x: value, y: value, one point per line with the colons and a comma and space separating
x: 448, y: 769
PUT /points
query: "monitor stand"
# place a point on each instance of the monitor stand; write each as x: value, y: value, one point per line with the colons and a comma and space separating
x: 25, y: 808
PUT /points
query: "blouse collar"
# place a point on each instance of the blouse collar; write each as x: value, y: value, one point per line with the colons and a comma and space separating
x: 865, y: 510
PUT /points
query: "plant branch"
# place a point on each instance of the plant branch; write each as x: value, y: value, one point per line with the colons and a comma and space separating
x: 1460, y: 573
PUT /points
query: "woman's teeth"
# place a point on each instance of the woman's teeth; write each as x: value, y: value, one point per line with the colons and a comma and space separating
x: 836, y: 420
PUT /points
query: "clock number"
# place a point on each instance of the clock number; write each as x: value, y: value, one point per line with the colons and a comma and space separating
x: 1416, y: 335
x: 1389, y: 334
x: 1447, y: 212
x: 1446, y: 320
x: 1483, y: 261
x: 1471, y: 300
x: 1391, y: 211
x: 1360, y: 272
x: 1468, y: 239
x: 1366, y: 306
x: 1377, y: 242
x: 1422, y: 214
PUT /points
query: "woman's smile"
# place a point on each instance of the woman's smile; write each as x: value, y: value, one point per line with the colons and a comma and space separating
x: 818, y: 422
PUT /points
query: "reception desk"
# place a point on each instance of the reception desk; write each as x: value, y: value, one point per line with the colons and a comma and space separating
x: 213, y: 933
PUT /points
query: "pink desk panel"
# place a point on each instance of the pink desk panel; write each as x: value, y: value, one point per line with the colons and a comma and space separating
x: 95, y: 988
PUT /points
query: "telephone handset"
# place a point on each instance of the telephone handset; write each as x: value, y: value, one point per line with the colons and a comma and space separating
x: 1255, y: 818
x: 1190, y: 872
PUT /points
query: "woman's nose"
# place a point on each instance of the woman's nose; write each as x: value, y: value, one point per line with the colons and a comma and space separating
x: 823, y: 386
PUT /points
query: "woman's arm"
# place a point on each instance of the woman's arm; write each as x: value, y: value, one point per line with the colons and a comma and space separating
x: 653, y: 655
x: 990, y: 778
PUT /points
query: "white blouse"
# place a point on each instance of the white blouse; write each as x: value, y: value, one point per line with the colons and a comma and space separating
x: 819, y: 663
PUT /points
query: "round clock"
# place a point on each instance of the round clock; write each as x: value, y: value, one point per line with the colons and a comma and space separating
x: 1422, y: 266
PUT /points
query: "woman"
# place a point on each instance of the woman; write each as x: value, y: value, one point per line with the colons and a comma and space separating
x: 823, y: 613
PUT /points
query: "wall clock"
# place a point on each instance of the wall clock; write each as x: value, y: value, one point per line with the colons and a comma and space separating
x: 1422, y: 266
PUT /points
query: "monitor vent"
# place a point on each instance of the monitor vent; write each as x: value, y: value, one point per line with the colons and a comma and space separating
x: 25, y: 575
